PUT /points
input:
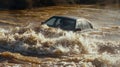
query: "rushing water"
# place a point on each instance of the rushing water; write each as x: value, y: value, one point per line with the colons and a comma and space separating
x: 26, y: 43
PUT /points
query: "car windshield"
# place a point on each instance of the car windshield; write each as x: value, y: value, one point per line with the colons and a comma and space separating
x: 51, y: 22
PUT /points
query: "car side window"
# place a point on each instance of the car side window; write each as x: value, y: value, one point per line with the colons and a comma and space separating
x: 51, y: 22
x: 57, y: 23
x: 67, y: 24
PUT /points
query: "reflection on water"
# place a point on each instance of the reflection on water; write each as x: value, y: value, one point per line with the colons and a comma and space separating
x: 24, y: 42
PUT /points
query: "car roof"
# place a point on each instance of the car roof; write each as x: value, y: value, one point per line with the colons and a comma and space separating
x: 71, y: 17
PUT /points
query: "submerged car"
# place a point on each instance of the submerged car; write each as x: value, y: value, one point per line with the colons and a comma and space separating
x: 69, y: 23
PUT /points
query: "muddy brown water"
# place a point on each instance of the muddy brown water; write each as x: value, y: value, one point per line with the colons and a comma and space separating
x: 25, y: 43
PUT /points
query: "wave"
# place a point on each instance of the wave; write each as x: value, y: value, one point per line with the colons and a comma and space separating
x: 87, y: 48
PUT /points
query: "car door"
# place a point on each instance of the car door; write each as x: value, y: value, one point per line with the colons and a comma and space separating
x: 67, y: 24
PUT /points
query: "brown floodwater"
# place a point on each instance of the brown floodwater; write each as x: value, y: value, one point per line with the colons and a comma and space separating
x: 24, y: 42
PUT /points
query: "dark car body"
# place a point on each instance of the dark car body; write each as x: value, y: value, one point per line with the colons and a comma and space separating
x: 69, y: 23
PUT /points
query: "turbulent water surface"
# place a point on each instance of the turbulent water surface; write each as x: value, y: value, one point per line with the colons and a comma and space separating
x: 26, y: 43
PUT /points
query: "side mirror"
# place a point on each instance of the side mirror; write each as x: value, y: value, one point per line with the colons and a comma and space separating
x: 78, y: 29
x: 42, y: 23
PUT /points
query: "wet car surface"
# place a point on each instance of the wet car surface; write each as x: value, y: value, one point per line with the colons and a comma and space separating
x: 70, y: 23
